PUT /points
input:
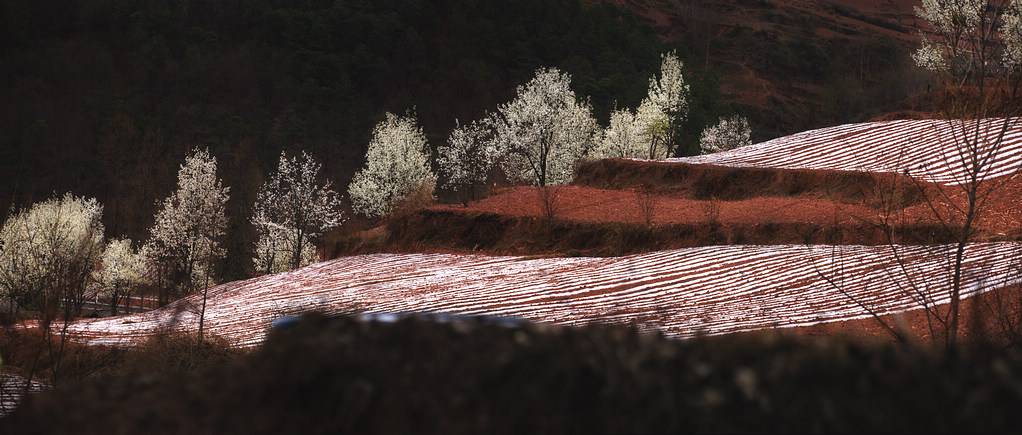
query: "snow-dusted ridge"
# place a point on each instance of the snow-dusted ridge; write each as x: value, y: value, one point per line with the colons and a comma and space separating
x: 926, y: 148
x: 684, y: 292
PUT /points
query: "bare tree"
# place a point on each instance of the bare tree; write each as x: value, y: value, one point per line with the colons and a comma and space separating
x: 647, y: 198
x: 973, y: 53
x: 973, y: 48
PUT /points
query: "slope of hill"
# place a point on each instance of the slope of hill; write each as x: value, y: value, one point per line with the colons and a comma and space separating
x: 687, y: 292
x: 709, y: 289
x: 928, y: 149
x: 103, y: 99
x: 796, y: 65
x: 832, y: 185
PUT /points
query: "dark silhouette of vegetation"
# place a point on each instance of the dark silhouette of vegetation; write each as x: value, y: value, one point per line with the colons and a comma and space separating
x: 471, y: 375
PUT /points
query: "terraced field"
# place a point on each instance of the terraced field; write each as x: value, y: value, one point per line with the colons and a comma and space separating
x: 709, y: 290
x: 681, y: 292
x: 926, y: 148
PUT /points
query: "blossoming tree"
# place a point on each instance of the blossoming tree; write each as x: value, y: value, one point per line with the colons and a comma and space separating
x: 397, y: 164
x: 292, y: 209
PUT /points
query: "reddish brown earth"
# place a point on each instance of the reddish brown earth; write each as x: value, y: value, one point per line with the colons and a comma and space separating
x: 600, y: 199
x: 758, y: 196
x: 991, y: 317
x: 730, y: 37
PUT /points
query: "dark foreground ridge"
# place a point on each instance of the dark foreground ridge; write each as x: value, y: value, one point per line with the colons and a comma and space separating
x: 418, y: 375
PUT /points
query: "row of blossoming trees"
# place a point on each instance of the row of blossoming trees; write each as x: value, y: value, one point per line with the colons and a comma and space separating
x: 54, y: 255
x: 538, y: 138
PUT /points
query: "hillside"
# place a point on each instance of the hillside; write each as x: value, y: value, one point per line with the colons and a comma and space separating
x: 104, y: 98
x: 685, y: 292
x: 835, y: 185
x: 755, y: 265
x: 760, y: 292
x: 797, y: 65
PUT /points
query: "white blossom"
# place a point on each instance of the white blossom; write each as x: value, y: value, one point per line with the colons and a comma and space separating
x: 544, y: 132
x: 1012, y: 34
x: 48, y: 252
x: 190, y: 225
x: 275, y: 248
x: 670, y: 92
x: 291, y: 210
x: 397, y: 163
x: 623, y: 137
x: 656, y: 128
x: 950, y: 17
x: 728, y: 134
x: 930, y: 56
x: 469, y: 155
x: 121, y: 266
x: 122, y: 269
x: 967, y: 37
x: 665, y: 105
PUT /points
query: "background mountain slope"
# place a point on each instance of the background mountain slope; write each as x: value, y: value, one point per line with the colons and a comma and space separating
x: 104, y: 98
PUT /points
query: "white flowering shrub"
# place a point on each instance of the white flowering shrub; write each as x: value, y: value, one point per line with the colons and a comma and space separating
x: 397, y: 163
x: 623, y: 137
x: 728, y: 134
x: 656, y: 128
x: 665, y: 105
x: 122, y: 270
x: 186, y: 238
x: 544, y: 131
x: 469, y: 154
x: 292, y: 209
x: 48, y: 253
x: 275, y: 250
x: 649, y: 131
x: 670, y: 92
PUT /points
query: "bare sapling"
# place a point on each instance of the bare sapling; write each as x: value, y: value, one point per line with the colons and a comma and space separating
x: 546, y: 198
x: 711, y: 210
x: 647, y: 198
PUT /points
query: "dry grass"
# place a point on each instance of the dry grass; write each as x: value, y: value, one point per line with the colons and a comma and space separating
x: 29, y: 353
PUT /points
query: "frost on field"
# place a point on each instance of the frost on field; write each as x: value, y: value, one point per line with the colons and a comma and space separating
x: 397, y: 165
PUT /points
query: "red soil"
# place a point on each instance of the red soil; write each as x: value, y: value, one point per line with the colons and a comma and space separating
x: 674, y: 204
x: 993, y: 316
x: 587, y: 204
